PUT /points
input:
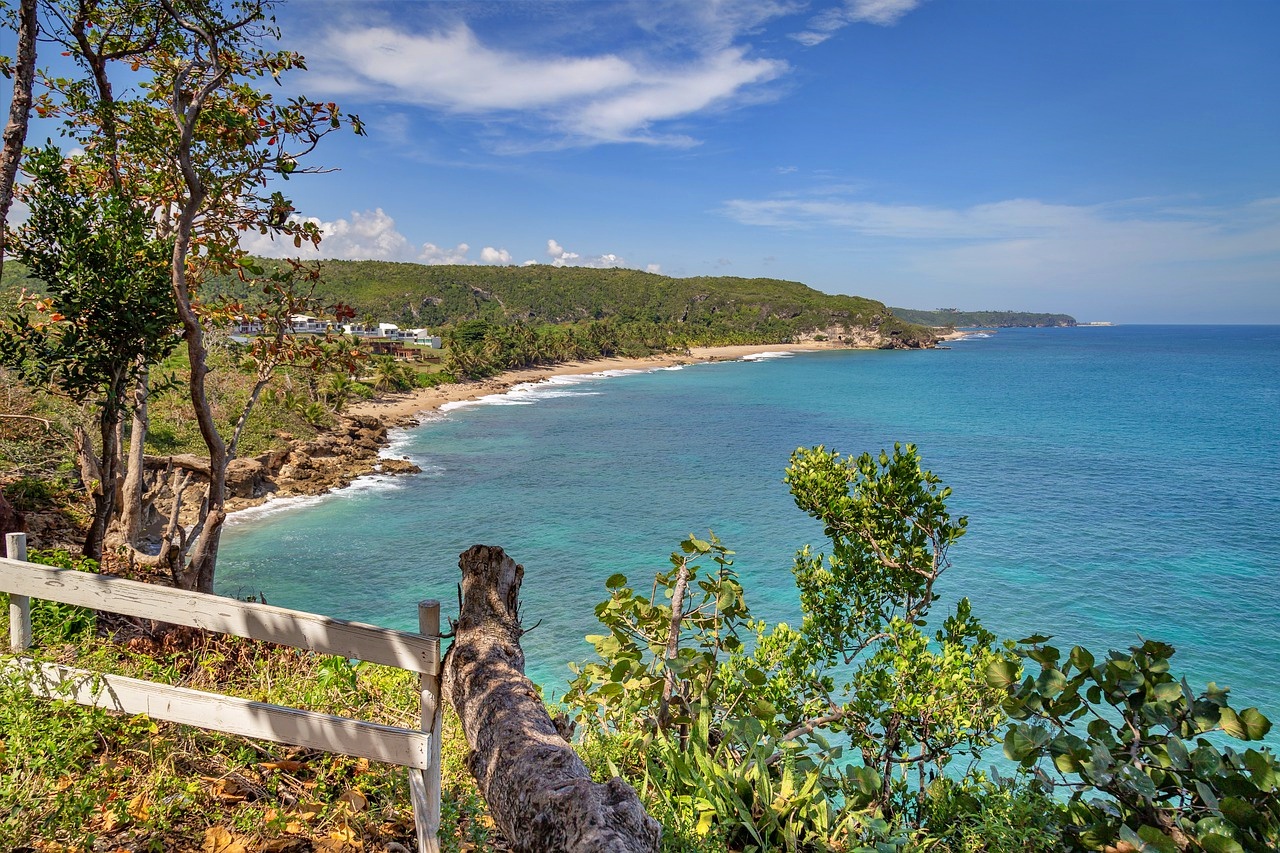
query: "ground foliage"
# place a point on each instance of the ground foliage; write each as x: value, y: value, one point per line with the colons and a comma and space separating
x: 78, y: 778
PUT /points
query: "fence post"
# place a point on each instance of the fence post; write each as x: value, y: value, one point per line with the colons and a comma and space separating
x: 424, y: 785
x: 19, y: 605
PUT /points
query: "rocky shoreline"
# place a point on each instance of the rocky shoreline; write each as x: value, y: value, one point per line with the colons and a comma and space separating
x: 331, y: 460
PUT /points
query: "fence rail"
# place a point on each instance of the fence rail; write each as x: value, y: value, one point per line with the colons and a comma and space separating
x: 419, y: 750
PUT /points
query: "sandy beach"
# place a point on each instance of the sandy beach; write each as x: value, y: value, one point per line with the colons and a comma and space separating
x: 395, y: 409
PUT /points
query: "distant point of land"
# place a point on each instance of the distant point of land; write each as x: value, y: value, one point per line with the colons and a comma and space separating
x: 955, y: 318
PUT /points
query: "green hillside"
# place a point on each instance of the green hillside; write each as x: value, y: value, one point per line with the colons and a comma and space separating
x: 691, y: 311
x: 996, y: 319
x: 704, y: 309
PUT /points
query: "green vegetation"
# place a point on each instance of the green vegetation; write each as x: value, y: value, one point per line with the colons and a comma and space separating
x: 688, y: 311
x: 87, y: 779
x: 844, y: 734
x: 860, y: 730
x: 952, y: 317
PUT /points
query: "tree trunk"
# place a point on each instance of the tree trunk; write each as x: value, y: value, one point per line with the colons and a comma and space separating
x: 131, y: 508
x: 15, y: 131
x: 104, y: 496
x: 539, y: 792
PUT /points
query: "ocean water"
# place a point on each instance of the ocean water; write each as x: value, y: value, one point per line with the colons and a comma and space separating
x: 1120, y: 483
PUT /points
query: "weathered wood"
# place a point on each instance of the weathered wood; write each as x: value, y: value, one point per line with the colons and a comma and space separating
x: 19, y: 605
x: 424, y: 785
x: 539, y: 792
x: 295, y: 628
x: 226, y: 713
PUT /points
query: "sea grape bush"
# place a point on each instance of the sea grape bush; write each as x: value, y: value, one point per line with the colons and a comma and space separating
x: 1142, y: 773
x: 747, y: 736
x: 843, y: 734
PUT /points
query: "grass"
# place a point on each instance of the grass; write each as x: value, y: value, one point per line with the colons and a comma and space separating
x: 77, y: 778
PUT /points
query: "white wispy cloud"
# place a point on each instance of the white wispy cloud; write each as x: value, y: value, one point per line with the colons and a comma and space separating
x: 1105, y: 252
x: 828, y: 22
x: 604, y: 96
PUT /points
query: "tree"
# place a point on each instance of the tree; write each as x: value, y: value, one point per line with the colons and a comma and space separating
x: 1127, y: 741
x: 750, y: 734
x: 200, y: 147
x: 913, y: 700
x: 22, y: 68
x: 107, y: 311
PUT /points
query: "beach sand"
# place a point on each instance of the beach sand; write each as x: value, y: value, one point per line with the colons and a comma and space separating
x: 396, y: 409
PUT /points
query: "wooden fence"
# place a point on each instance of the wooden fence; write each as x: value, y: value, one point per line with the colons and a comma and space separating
x: 418, y: 750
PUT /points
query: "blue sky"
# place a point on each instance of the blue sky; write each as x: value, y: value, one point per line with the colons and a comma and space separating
x: 1114, y: 160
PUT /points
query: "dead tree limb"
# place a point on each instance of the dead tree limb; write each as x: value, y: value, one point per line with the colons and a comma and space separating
x: 539, y: 792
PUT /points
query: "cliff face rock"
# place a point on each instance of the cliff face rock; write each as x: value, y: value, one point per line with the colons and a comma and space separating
x: 329, y: 461
x: 872, y: 337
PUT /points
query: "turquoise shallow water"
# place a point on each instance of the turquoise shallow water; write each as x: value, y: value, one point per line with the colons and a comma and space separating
x: 1119, y: 482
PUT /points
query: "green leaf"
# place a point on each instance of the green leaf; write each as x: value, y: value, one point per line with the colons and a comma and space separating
x: 1081, y: 659
x: 1002, y: 674
x: 1154, y: 839
x: 616, y: 581
x: 1051, y: 682
x: 1022, y: 742
x: 1255, y: 724
x: 1241, y: 813
x: 1215, y: 843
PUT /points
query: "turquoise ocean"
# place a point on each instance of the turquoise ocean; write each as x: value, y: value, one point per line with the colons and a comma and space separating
x: 1120, y: 483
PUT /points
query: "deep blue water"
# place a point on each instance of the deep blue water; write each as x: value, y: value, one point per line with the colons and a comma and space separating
x: 1119, y: 482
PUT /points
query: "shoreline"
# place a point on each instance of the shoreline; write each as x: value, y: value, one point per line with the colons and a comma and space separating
x: 338, y: 468
x: 400, y: 410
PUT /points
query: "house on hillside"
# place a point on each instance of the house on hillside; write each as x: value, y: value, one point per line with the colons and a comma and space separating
x: 400, y: 351
x: 306, y: 324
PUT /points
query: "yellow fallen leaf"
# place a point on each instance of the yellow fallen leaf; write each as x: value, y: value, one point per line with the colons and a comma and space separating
x: 139, y: 807
x: 108, y: 820
x: 285, y: 764
x: 227, y: 790
x: 354, y: 799
x: 308, y: 811
x: 218, y: 840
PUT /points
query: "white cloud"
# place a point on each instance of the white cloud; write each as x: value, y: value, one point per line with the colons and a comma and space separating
x: 1025, y: 251
x: 985, y: 221
x: 368, y: 235
x: 562, y: 257
x: 434, y: 255
x: 827, y: 23
x: 656, y: 269
x: 373, y: 235
x: 604, y: 97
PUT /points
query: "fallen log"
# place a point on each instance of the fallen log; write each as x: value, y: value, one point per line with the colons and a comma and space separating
x: 539, y: 792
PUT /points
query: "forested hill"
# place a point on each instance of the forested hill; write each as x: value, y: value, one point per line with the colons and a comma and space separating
x: 997, y: 319
x: 700, y: 310
x: 705, y: 309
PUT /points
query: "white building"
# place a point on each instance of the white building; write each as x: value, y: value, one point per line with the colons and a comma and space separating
x: 305, y: 323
